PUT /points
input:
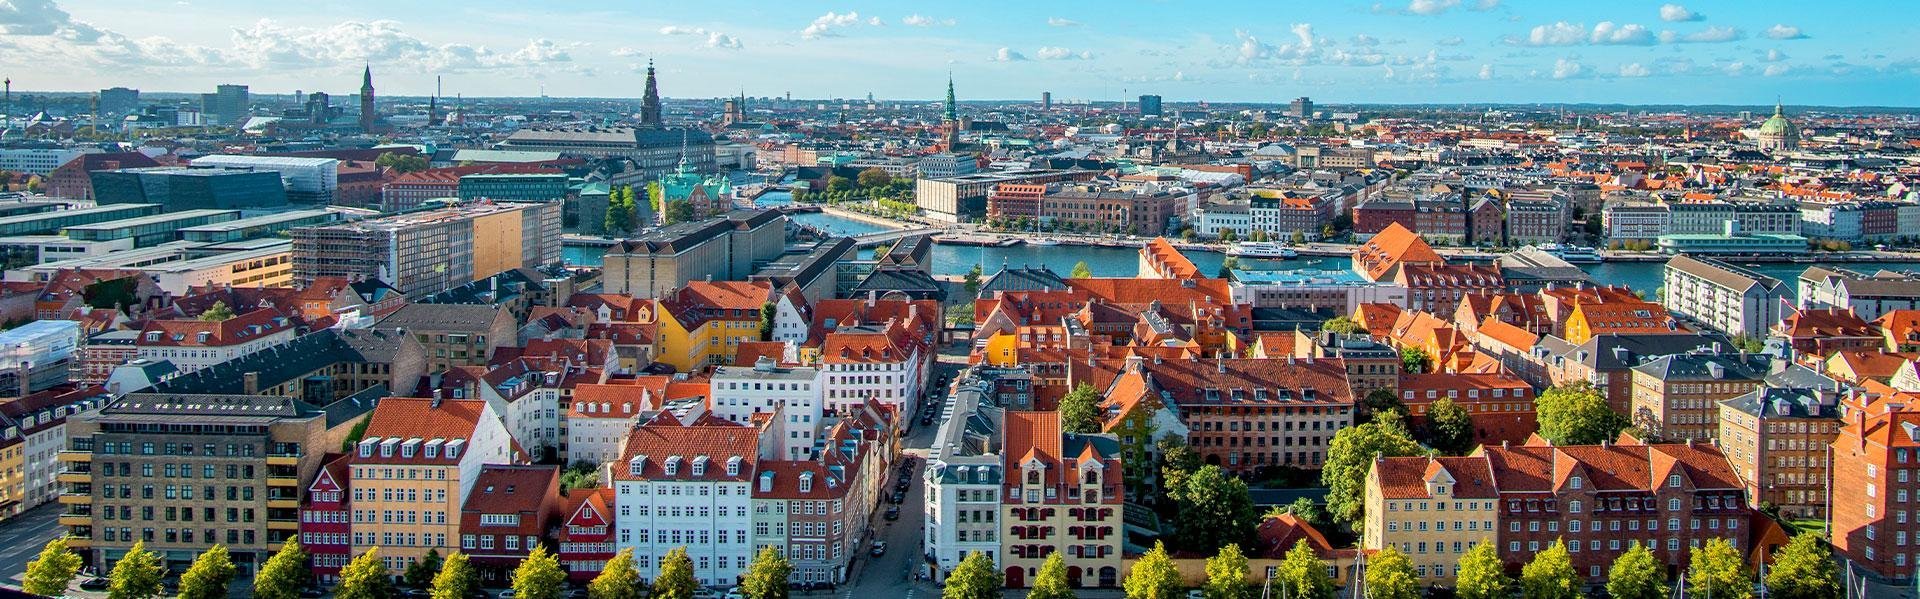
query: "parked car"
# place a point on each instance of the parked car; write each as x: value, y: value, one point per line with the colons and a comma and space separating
x: 506, y: 594
x: 898, y: 496
x: 734, y: 593
x: 97, y: 583
x: 879, y: 549
x: 893, y: 512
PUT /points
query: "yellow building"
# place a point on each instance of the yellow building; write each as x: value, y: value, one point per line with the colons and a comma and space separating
x: 1432, y: 509
x: 1065, y: 497
x: 704, y: 323
x: 411, y: 472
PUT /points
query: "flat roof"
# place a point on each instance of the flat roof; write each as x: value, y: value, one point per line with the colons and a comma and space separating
x: 264, y: 160
x: 154, y: 219
x: 1300, y: 277
x: 39, y: 216
x: 130, y: 258
x: 235, y: 225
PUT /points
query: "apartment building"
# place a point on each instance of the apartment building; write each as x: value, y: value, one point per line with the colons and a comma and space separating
x: 722, y: 248
x: 426, y: 252
x: 453, y: 334
x: 1678, y: 396
x: 687, y: 485
x: 792, y: 394
x: 1063, y: 495
x: 963, y: 476
x: 414, y: 469
x: 1724, y: 297
x: 33, y: 433
x: 511, y: 510
x: 1085, y: 207
x: 1874, y: 482
x: 192, y: 344
x: 326, y: 521
x: 1432, y: 509
x: 878, y: 350
x: 1249, y: 413
x: 1869, y: 296
x: 817, y: 511
x: 1778, y: 439
x: 1499, y: 404
x: 586, y: 534
x: 180, y: 471
x: 703, y: 323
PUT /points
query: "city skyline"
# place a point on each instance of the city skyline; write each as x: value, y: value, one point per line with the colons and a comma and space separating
x: 1421, y: 51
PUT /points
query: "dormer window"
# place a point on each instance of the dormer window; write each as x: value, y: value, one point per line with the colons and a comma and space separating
x: 733, y: 466
x: 1673, y: 481
x: 700, y: 466
x: 806, y: 482
x: 366, y: 447
x: 672, y: 467
x: 638, y: 465
x: 1573, y: 483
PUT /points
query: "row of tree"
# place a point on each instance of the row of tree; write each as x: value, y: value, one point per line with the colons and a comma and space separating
x: 140, y: 574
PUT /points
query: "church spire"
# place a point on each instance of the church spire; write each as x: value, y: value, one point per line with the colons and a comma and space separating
x: 366, y: 80
x: 953, y: 117
x: 953, y: 113
x: 367, y: 112
x: 650, y: 100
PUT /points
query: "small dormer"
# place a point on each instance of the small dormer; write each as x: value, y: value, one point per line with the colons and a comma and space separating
x: 806, y: 482
x: 1440, y: 484
x: 671, y: 467
x: 367, y: 445
x: 387, y: 446
x: 766, y: 480
x: 153, y: 336
x: 410, y: 447
x: 733, y: 466
x: 432, y: 448
x: 637, y: 465
x: 453, y: 448
x: 700, y: 466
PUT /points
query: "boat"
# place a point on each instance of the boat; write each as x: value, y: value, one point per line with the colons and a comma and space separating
x: 1042, y: 242
x: 1573, y: 254
x: 1261, y: 249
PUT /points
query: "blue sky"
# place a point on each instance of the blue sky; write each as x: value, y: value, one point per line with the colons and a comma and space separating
x: 1832, y: 53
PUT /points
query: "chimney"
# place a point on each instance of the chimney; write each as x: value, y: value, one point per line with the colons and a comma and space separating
x: 250, y: 382
x: 438, y: 396
x: 1220, y: 364
x: 872, y: 295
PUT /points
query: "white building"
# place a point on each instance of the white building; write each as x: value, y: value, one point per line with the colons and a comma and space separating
x: 528, y: 401
x: 1730, y: 299
x: 1213, y: 219
x: 792, y: 319
x: 873, y: 362
x: 37, y: 161
x: 687, y: 485
x: 193, y: 344
x: 308, y: 180
x: 599, y: 417
x: 963, y: 477
x: 1636, y: 221
x: 793, y: 394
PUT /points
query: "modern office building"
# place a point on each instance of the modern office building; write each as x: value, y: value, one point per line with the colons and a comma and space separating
x: 36, y: 160
x: 148, y: 231
x: 258, y: 226
x: 180, y: 472
x: 1150, y: 105
x: 723, y: 248
x: 227, y: 105
x: 176, y: 266
x: 519, y: 187
x: 119, y: 101
x: 1301, y: 107
x: 308, y: 180
x: 423, y: 253
x: 184, y: 188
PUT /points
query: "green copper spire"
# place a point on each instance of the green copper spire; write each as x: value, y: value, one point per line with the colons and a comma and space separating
x: 953, y: 114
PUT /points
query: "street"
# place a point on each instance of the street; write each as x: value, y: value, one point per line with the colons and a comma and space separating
x: 22, y: 537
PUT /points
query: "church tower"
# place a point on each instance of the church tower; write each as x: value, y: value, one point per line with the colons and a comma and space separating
x: 650, y: 100
x: 366, y: 101
x: 953, y: 118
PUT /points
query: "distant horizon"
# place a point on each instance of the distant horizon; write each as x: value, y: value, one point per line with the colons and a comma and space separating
x: 1380, y: 52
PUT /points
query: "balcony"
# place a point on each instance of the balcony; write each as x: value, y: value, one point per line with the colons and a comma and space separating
x: 76, y: 498
x: 283, y: 459
x: 68, y: 455
x: 278, y: 503
x: 282, y: 524
x: 78, y: 542
x: 71, y: 476
x: 76, y: 520
x: 282, y: 481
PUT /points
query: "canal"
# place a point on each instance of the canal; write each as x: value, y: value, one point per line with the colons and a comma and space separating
x: 1124, y: 262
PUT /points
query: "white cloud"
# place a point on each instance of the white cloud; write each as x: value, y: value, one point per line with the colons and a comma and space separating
x: 1713, y: 34
x: 1735, y: 68
x: 1607, y: 33
x: 824, y: 25
x: 1486, y: 5
x: 1363, y: 40
x: 625, y: 51
x: 1567, y: 69
x: 875, y: 21
x: 917, y: 20
x: 678, y: 30
x: 1557, y: 34
x: 1486, y: 72
x: 1059, y: 22
x: 1059, y: 53
x: 1785, y: 32
x: 1431, y: 7
x: 716, y: 39
x: 1451, y: 41
x: 1776, y: 70
x: 1674, y: 13
x: 1007, y: 55
x: 269, y: 44
x: 1774, y: 55
x: 1634, y: 69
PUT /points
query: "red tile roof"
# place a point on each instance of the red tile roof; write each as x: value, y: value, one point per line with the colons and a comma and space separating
x: 663, y: 439
x: 1391, y: 247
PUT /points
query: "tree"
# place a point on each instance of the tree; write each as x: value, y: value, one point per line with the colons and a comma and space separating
x: 1390, y: 576
x: 875, y: 177
x: 1349, y: 458
x: 401, y: 163
x: 767, y: 577
x: 49, y: 574
x: 457, y: 578
x: 1177, y: 462
x: 1215, y: 510
x: 837, y: 183
x: 1636, y: 575
x: 1804, y: 569
x: 364, y: 578
x: 1414, y: 360
x: 678, y: 211
x: 217, y: 312
x: 767, y: 313
x: 1227, y: 574
x: 1080, y: 410
x: 1081, y: 271
x: 676, y: 576
x: 1341, y: 325
x: 137, y: 576
x: 1298, y: 237
x: 1550, y: 575
x: 1481, y: 576
x: 539, y: 576
x: 421, y: 572
x: 1154, y: 576
x: 1577, y: 415
x: 1379, y: 402
x: 1051, y: 581
x: 209, y: 575
x: 1716, y: 570
x: 620, y: 210
x: 1449, y: 427
x: 1301, y: 574
x: 1227, y: 235
x: 355, y: 434
x: 972, y: 280
x: 284, y: 573
x: 974, y: 578
x: 1305, y: 509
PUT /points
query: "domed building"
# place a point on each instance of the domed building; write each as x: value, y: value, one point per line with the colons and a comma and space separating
x: 1778, y: 133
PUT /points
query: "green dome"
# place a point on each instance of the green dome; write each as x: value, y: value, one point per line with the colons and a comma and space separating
x: 1778, y: 123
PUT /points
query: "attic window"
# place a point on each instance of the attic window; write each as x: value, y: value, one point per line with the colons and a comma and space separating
x: 733, y: 466
x: 1573, y: 483
x: 1673, y: 481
